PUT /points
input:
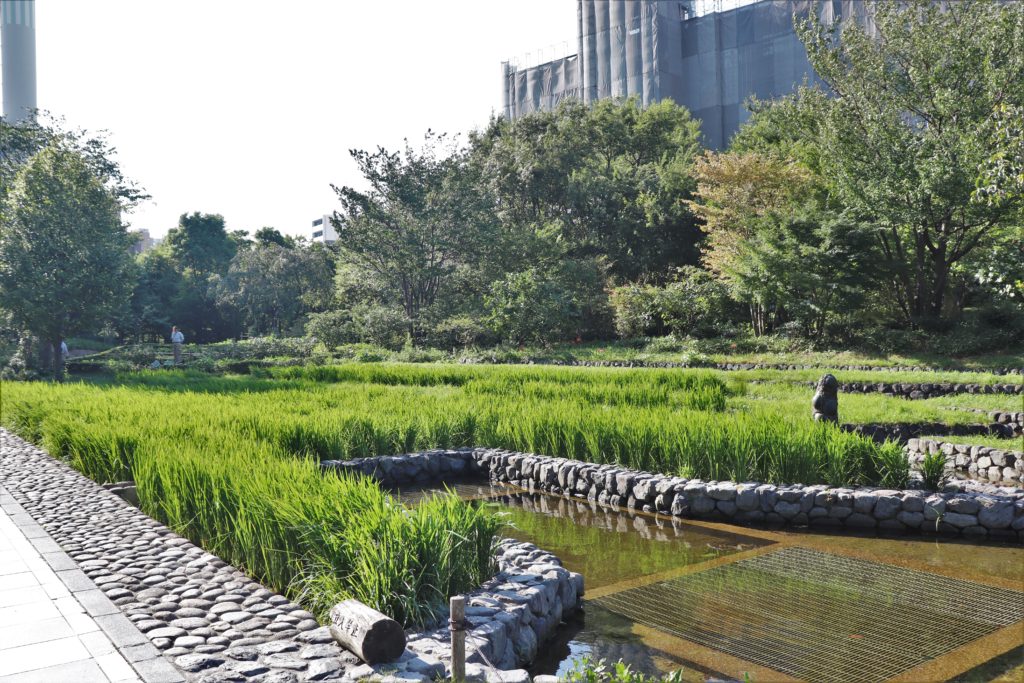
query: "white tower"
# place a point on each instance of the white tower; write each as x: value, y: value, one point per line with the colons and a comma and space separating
x: 18, y: 43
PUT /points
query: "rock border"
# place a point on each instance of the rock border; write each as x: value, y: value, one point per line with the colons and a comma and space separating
x: 904, y: 431
x: 738, y: 366
x: 985, y: 462
x: 973, y: 514
x: 920, y: 390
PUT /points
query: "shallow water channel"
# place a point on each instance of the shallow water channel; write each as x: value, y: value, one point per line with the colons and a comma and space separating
x: 717, y: 600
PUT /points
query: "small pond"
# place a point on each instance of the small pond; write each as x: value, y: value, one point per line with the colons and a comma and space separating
x: 717, y: 600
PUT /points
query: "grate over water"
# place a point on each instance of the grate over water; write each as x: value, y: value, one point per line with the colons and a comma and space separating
x: 822, y: 617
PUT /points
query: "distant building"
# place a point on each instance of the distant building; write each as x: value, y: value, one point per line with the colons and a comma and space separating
x: 709, y: 56
x: 144, y: 242
x: 323, y: 231
x: 18, y: 45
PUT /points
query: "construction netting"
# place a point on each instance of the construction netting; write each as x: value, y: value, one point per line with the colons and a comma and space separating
x: 711, y: 64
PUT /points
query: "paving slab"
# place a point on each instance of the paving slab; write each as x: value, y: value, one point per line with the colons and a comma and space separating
x: 46, y: 634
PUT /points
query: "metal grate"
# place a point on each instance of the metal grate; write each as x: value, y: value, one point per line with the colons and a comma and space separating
x: 822, y: 617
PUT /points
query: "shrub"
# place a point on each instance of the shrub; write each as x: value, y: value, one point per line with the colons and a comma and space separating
x: 695, y: 304
x: 332, y: 328
x: 545, y: 305
x: 636, y: 311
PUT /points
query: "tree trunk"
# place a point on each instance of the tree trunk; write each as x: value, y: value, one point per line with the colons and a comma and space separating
x: 940, y: 273
x: 45, y: 356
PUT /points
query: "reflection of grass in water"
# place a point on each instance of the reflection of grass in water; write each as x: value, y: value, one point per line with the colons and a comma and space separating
x: 610, y: 546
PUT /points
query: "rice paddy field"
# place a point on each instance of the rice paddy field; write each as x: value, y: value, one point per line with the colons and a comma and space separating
x: 232, y: 461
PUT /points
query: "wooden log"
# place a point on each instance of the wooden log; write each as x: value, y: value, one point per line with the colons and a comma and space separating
x: 370, y: 635
x: 457, y: 622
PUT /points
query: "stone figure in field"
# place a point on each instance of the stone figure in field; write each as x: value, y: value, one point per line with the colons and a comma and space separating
x: 825, y: 403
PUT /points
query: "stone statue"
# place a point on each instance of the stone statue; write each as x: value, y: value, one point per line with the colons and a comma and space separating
x: 826, y: 400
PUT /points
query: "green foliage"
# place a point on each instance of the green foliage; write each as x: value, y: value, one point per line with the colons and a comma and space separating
x: 610, y: 178
x: 666, y: 421
x: 692, y: 304
x: 636, y: 310
x: 274, y: 286
x: 420, y: 219
x: 587, y: 670
x: 933, y: 470
x: 201, y: 244
x: 64, y: 261
x: 242, y: 493
x: 908, y: 133
x: 541, y: 306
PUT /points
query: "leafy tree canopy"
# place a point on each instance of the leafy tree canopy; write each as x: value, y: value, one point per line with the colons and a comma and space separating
x: 64, y: 261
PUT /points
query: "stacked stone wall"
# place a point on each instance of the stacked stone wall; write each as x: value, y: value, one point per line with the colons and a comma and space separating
x: 984, y: 462
x: 960, y: 513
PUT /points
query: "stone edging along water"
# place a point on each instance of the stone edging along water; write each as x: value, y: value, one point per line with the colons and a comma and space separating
x: 966, y: 513
x: 216, y: 624
x: 995, y: 464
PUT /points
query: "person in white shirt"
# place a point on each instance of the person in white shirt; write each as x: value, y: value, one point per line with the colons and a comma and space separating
x: 63, y: 351
x: 177, y: 339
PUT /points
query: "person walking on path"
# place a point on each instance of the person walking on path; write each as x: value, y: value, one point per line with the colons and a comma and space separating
x: 177, y: 339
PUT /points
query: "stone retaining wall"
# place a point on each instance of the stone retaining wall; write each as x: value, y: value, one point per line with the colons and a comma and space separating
x: 994, y: 464
x: 917, y: 390
x: 745, y: 366
x: 904, y: 431
x: 967, y: 513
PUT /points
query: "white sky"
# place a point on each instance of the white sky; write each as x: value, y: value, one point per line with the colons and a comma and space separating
x: 248, y: 108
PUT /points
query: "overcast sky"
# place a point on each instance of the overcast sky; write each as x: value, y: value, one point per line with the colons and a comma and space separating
x: 248, y: 109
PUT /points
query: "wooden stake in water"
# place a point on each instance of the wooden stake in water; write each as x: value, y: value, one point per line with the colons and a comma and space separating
x: 457, y: 624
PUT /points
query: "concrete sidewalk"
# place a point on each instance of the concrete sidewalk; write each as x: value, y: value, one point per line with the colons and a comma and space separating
x: 48, y: 615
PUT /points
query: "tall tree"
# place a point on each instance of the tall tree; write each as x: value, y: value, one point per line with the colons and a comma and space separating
x: 274, y: 286
x: 64, y: 261
x: 906, y: 134
x: 201, y: 243
x: 201, y: 249
x: 609, y: 180
x: 415, y: 225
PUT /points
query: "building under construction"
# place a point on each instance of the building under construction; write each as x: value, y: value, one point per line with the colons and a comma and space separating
x: 708, y: 55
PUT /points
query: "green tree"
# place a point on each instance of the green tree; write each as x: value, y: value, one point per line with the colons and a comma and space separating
x: 201, y: 244
x: 201, y: 249
x: 560, y: 303
x: 420, y: 219
x: 268, y: 235
x: 1002, y: 178
x: 275, y: 286
x: 906, y: 135
x: 64, y: 261
x: 610, y: 180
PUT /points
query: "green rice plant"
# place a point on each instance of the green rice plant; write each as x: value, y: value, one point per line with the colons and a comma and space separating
x: 933, y: 470
x: 888, y: 466
x: 321, y: 539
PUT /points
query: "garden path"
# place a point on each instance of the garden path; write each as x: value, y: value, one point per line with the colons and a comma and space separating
x: 48, y: 615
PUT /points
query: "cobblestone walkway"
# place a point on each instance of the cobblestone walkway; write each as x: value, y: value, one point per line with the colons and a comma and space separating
x: 208, y: 618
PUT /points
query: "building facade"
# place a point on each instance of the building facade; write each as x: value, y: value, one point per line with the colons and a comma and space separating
x: 709, y: 56
x: 18, y: 53
x: 323, y: 232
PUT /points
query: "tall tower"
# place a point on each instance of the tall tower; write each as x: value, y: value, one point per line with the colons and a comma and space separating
x: 18, y: 43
